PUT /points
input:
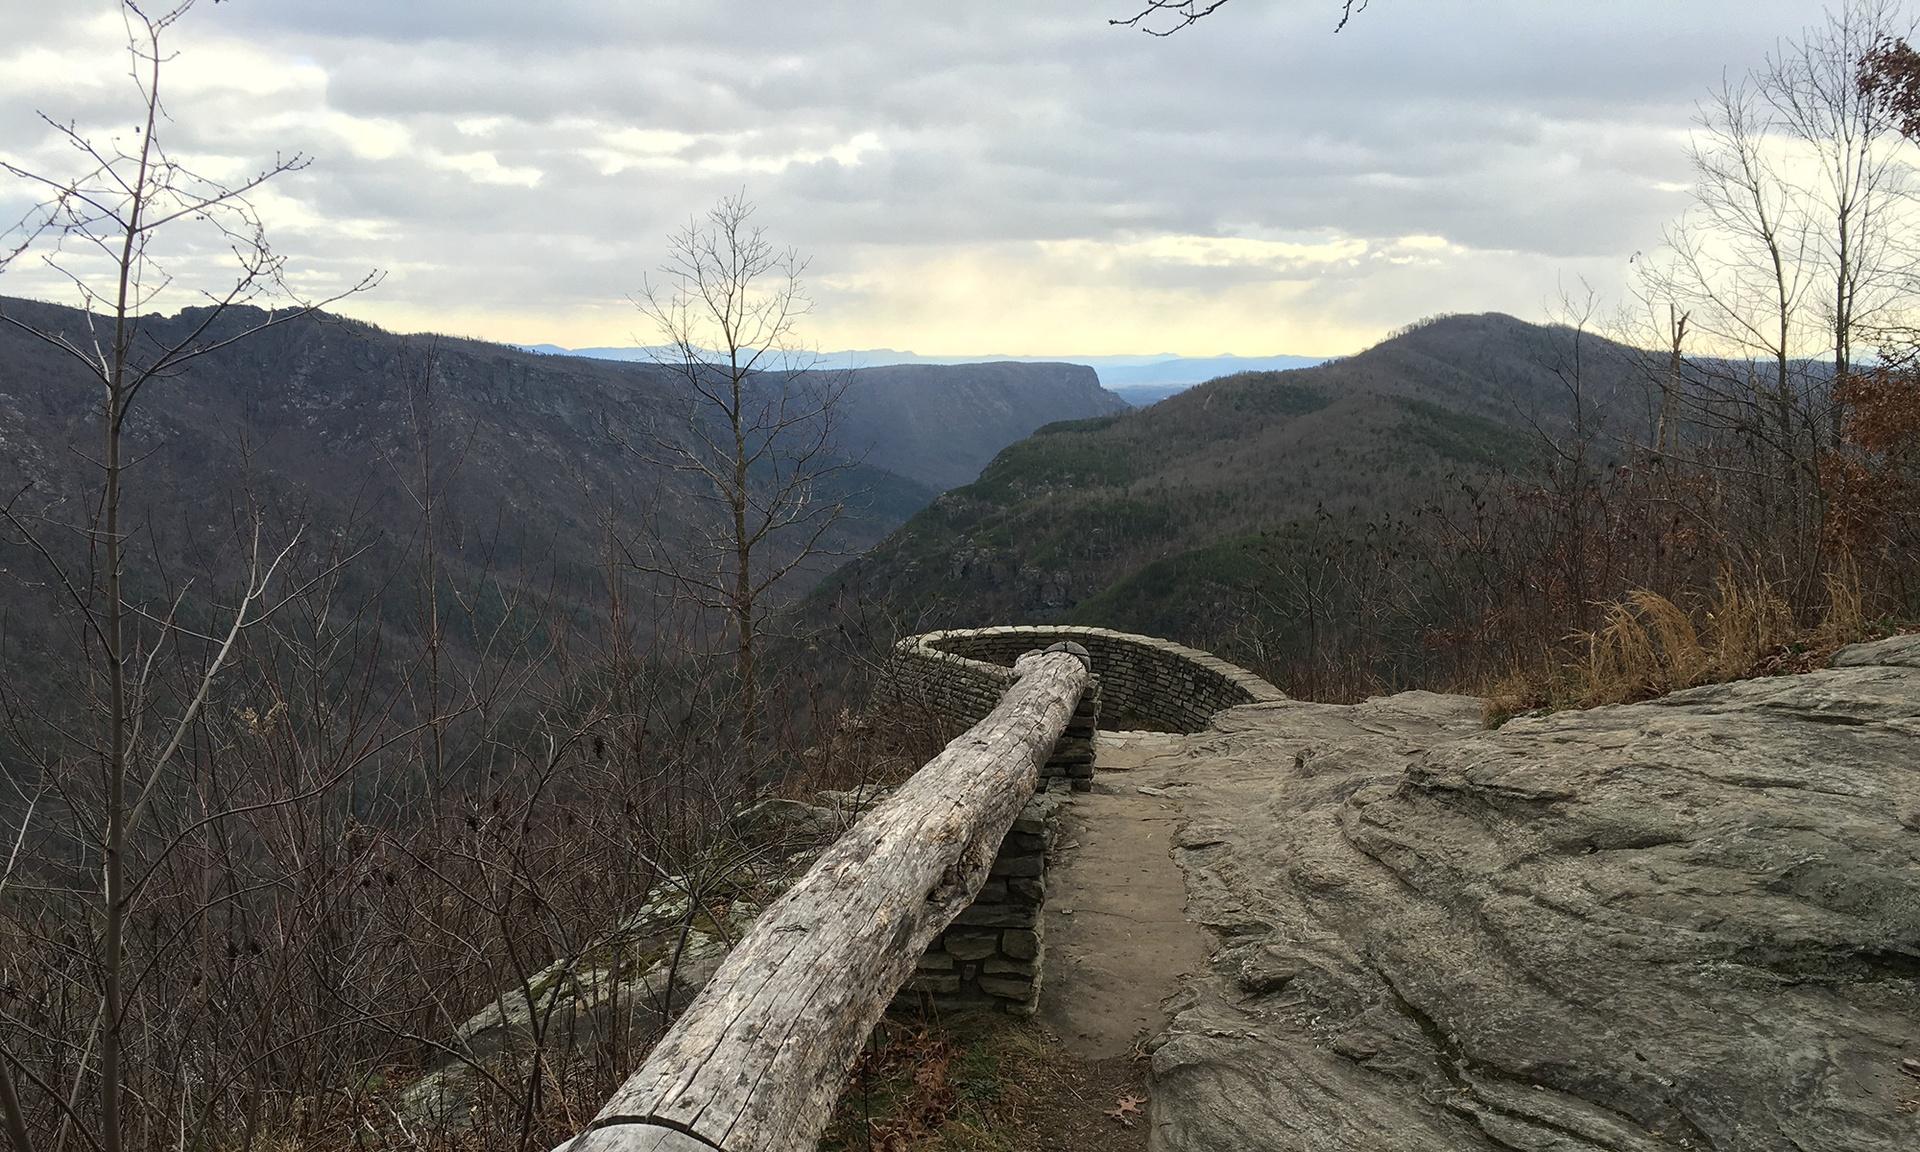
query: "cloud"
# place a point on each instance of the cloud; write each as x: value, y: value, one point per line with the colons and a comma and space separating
x: 1017, y: 177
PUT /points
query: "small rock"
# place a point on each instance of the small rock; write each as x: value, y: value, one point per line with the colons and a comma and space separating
x: 774, y: 820
x: 1022, y: 866
x: 971, y: 946
x: 1006, y: 987
x: 1265, y: 969
x: 1020, y: 943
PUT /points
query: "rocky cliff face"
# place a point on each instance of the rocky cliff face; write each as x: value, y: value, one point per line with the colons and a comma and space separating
x: 1687, y: 924
x: 941, y: 424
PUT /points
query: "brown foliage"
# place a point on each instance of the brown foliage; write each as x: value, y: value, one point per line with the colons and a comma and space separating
x: 1873, y: 481
x: 1890, y: 75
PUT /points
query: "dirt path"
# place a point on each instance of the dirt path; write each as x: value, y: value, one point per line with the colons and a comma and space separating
x: 1118, y: 943
x: 1118, y: 939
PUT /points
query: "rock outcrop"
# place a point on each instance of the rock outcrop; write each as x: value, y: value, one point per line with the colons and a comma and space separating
x: 941, y: 424
x: 1687, y: 924
x: 626, y: 986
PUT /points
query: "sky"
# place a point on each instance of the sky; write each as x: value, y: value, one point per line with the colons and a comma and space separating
x: 992, y: 176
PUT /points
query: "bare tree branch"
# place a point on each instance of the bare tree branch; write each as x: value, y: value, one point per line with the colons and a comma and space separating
x: 1167, y: 17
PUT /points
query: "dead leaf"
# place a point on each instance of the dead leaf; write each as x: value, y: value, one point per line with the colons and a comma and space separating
x: 1128, y: 1108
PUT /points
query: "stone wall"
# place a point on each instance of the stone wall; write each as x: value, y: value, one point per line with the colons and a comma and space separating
x: 959, y: 675
x: 1071, y: 764
x: 995, y: 949
x: 991, y: 955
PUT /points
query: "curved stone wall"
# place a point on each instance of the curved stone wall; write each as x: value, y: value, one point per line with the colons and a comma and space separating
x: 1144, y: 682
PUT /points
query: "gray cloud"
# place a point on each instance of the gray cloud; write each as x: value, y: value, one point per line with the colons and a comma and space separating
x: 517, y: 164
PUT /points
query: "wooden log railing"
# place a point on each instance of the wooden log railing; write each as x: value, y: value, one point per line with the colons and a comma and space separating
x: 757, y: 1061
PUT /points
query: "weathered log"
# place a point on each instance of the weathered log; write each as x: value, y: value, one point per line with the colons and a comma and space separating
x: 757, y: 1061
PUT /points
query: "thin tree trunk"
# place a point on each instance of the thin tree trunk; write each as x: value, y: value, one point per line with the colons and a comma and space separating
x: 743, y: 607
x: 116, y: 798
x: 10, y: 1111
x: 1670, y: 387
x: 743, y: 598
x: 1842, y: 332
x: 117, y: 752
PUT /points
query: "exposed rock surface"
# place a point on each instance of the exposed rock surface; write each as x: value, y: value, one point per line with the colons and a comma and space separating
x: 1687, y: 924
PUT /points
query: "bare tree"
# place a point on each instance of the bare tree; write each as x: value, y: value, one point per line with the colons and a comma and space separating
x: 758, y: 433
x: 1859, y: 185
x: 1742, y: 260
x: 107, y: 233
x: 1568, y: 482
x: 1797, y: 243
x: 1797, y: 238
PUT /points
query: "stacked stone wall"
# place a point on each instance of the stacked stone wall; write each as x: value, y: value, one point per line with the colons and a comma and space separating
x: 1145, y: 682
x: 992, y: 953
x: 1071, y: 763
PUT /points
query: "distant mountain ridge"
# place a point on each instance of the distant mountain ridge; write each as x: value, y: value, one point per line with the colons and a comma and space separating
x: 319, y: 417
x: 941, y: 423
x: 1141, y: 380
x: 1162, y: 519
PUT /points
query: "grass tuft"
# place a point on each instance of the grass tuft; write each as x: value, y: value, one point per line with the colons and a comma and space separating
x: 1646, y: 645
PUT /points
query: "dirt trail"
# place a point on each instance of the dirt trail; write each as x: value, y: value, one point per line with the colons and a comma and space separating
x: 1118, y: 939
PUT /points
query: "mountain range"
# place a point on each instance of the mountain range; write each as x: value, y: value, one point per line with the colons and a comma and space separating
x: 1166, y: 519
x: 1141, y: 380
x: 977, y: 493
x: 333, y: 423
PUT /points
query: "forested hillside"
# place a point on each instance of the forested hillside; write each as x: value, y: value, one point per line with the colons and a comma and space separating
x: 539, y: 469
x: 1164, y: 520
x: 1474, y: 502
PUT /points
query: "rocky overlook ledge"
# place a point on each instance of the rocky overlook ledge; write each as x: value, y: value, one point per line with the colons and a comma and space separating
x: 1688, y: 924
x: 1692, y: 923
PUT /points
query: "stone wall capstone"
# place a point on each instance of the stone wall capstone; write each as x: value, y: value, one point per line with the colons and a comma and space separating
x: 1144, y: 682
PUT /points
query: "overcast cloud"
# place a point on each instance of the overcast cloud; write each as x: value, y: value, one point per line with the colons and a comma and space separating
x: 999, y: 175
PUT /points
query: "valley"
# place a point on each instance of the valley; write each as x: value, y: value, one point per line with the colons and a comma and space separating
x: 1497, y: 737
x: 533, y: 469
x: 1179, y: 519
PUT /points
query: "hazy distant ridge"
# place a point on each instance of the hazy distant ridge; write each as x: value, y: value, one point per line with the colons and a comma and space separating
x: 1140, y: 379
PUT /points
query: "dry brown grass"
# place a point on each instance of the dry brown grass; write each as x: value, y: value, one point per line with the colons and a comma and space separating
x: 1647, y: 645
x: 1747, y: 622
x: 1845, y: 619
